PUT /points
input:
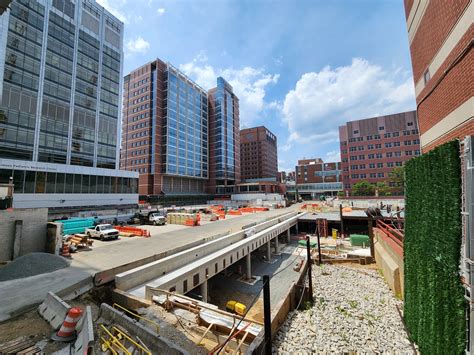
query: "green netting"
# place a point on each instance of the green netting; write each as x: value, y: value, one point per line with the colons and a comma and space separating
x: 434, y: 308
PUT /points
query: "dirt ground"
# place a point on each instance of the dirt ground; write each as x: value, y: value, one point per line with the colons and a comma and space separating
x: 32, y: 326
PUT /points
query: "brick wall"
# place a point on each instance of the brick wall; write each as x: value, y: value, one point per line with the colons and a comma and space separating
x: 438, y: 20
x: 460, y: 132
x: 455, y: 88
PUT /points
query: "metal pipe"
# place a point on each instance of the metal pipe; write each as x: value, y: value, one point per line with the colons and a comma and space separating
x: 310, y: 266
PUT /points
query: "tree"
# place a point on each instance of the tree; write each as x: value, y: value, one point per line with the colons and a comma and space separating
x: 383, y: 189
x: 397, y: 180
x: 363, y: 188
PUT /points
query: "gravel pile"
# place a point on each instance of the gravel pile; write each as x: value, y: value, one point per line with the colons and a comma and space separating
x: 354, y: 311
x: 32, y: 264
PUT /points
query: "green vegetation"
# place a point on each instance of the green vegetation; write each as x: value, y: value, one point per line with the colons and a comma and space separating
x: 363, y: 188
x: 434, y: 304
x: 397, y: 180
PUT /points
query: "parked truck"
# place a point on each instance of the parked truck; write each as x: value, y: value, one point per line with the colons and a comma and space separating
x: 148, y: 217
x: 103, y: 232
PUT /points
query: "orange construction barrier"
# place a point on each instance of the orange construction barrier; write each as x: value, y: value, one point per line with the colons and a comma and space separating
x: 134, y: 230
x: 67, y: 332
x: 234, y: 213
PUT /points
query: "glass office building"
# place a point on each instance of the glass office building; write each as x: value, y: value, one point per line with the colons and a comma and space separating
x: 224, y: 134
x: 186, y: 127
x: 60, y: 80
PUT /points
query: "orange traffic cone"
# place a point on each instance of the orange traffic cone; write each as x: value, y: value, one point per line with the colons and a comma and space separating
x: 67, y: 332
x: 65, y: 252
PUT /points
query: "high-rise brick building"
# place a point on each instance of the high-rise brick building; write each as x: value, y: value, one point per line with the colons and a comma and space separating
x: 441, y: 36
x: 371, y: 148
x: 165, y: 131
x: 258, y: 149
x: 60, y: 81
x: 224, y: 139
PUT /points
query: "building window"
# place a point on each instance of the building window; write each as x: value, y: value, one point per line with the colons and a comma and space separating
x: 378, y: 155
x: 369, y: 138
x: 379, y: 165
x: 380, y: 175
x: 381, y: 128
x: 195, y: 279
x: 389, y: 155
x: 356, y: 132
x: 373, y: 175
x: 396, y: 134
x: 410, y: 123
x: 372, y: 166
x: 427, y: 76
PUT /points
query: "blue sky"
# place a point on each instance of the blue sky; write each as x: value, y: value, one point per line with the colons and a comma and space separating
x: 300, y: 68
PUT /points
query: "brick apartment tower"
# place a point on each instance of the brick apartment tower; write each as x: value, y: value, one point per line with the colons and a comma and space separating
x: 315, y: 178
x: 258, y: 149
x: 224, y: 139
x: 441, y: 35
x: 165, y: 131
x: 371, y: 148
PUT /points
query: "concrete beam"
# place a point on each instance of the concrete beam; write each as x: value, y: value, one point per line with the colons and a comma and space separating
x: 17, y: 240
x: 145, y: 273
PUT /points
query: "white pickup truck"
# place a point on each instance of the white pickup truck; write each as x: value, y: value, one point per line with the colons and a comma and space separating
x: 103, y: 231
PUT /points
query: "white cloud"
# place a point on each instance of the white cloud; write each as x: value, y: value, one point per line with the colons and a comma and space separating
x: 160, y: 11
x: 321, y: 101
x: 138, y: 45
x: 114, y: 7
x: 249, y: 85
x: 333, y: 155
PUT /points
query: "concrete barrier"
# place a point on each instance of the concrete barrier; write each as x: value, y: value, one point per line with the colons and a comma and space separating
x: 156, y: 343
x: 53, y: 310
x: 85, y: 336
x: 389, y: 259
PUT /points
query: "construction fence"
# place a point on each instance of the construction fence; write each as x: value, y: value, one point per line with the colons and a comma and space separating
x: 435, y: 308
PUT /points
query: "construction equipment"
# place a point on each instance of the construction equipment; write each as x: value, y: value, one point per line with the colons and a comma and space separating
x: 236, y: 307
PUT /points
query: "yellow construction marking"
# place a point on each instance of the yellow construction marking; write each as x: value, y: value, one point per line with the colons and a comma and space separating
x: 115, y: 305
x: 115, y: 341
x: 106, y: 346
x: 137, y: 345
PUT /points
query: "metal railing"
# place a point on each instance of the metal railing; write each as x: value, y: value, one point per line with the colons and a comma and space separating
x: 394, y: 234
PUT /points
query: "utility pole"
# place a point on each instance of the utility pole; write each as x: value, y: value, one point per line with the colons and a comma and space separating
x: 267, y: 315
x: 310, y: 266
x: 342, y: 222
x: 319, y: 244
x: 371, y: 238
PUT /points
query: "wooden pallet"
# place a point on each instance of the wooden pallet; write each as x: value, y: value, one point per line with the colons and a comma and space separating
x: 20, y: 345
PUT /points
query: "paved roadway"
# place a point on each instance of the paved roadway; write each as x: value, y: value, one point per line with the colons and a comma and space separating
x: 22, y: 294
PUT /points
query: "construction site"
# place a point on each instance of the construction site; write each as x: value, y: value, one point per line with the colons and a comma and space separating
x: 191, y: 280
